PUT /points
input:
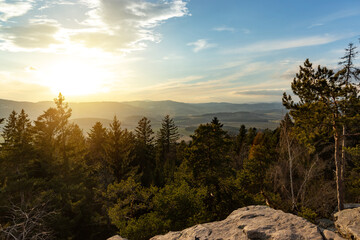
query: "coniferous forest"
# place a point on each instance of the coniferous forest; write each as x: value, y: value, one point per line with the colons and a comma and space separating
x: 57, y: 182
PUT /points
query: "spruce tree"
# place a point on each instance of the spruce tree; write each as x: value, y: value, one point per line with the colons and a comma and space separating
x: 96, y: 159
x: 166, y: 150
x: 115, y: 149
x: 145, y: 155
x: 17, y: 154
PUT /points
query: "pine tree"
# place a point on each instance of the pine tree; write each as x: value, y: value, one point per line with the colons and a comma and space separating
x: 144, y: 132
x: 17, y: 135
x: 63, y: 115
x: 349, y: 74
x: 240, y: 148
x: 52, y: 132
x: 323, y: 107
x: 115, y: 149
x: 17, y: 153
x: 209, y: 152
x: 145, y: 155
x: 166, y: 150
x: 96, y: 159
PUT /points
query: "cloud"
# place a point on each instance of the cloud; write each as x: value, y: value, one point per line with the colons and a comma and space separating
x: 341, y: 14
x: 266, y: 92
x: 273, y: 45
x: 15, y: 9
x: 224, y: 29
x: 126, y: 24
x: 201, y: 44
x: 315, y: 25
x: 230, y: 29
x: 105, y: 25
x: 335, y: 16
x: 245, y: 31
x: 31, y: 36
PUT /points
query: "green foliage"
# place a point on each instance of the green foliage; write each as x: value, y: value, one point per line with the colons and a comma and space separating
x: 166, y: 151
x: 145, y: 151
x: 119, y: 149
x: 208, y: 154
x: 328, y: 102
x: 129, y: 201
x: 308, y: 214
x: 181, y: 205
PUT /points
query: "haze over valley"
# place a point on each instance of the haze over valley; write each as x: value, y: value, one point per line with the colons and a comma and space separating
x: 187, y: 116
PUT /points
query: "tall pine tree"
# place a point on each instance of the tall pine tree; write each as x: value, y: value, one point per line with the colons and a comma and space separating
x: 166, y: 150
x: 324, y: 106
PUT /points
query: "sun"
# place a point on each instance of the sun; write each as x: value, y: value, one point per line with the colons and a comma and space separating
x: 75, y: 78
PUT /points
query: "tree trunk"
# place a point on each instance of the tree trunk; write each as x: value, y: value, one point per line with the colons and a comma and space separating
x: 343, y: 153
x: 338, y: 165
x: 293, y: 203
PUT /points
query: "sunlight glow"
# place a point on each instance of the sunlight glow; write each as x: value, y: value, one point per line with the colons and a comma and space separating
x: 75, y: 78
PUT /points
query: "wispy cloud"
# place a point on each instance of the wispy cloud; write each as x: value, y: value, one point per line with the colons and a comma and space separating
x: 335, y: 16
x: 105, y: 25
x: 315, y: 25
x: 224, y: 29
x: 340, y: 15
x: 201, y: 44
x: 264, y: 92
x: 14, y: 9
x: 231, y: 29
x: 280, y: 44
x: 245, y: 31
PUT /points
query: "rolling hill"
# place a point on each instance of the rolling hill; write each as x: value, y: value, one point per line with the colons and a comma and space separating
x: 186, y: 115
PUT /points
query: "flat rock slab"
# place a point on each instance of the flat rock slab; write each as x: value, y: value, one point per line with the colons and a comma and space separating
x: 348, y: 223
x: 253, y: 222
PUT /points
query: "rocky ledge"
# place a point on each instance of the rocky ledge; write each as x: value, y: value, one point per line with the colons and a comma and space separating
x: 262, y: 222
x: 347, y: 223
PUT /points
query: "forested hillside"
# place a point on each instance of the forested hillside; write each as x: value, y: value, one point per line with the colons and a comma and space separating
x: 187, y: 115
x: 58, y: 182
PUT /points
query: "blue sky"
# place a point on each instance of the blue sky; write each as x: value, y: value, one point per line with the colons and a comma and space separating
x: 190, y: 51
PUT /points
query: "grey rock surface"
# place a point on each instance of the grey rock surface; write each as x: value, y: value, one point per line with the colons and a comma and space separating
x: 326, y: 224
x: 330, y: 235
x: 116, y: 237
x: 252, y: 222
x: 347, y: 223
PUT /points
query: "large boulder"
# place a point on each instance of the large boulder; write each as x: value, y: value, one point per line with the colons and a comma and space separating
x: 253, y: 222
x: 347, y: 223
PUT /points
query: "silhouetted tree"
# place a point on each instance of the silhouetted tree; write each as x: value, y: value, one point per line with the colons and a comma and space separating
x: 145, y: 152
x: 166, y: 150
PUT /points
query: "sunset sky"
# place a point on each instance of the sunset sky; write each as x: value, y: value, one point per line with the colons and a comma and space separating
x: 190, y: 51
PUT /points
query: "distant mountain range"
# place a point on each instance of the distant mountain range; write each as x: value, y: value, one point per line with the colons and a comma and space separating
x: 187, y: 116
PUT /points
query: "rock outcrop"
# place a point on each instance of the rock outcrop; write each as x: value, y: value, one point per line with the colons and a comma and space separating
x: 347, y: 223
x: 253, y: 222
x: 262, y: 222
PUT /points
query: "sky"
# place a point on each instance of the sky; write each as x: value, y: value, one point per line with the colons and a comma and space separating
x: 194, y: 51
